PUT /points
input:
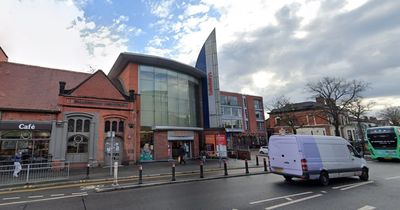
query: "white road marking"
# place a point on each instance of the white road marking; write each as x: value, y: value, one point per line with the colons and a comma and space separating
x: 324, y: 192
x: 36, y: 196
x: 289, y: 199
x: 337, y: 187
x: 394, y: 177
x: 357, y: 185
x: 281, y: 197
x: 11, y: 198
x: 367, y: 208
x: 82, y: 193
x: 292, y: 202
x: 55, y: 195
x: 38, y: 200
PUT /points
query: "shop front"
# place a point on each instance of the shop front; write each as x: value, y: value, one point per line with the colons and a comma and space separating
x: 32, y: 139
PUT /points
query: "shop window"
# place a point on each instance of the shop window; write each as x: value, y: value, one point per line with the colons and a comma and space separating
x: 107, y: 126
x: 71, y: 125
x: 121, y: 126
x: 146, y: 145
x: 77, y: 144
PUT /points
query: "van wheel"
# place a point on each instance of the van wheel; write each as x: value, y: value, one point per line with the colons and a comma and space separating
x: 288, y: 178
x: 364, y: 174
x: 324, y: 178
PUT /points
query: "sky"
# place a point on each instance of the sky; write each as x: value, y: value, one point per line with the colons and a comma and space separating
x: 276, y: 47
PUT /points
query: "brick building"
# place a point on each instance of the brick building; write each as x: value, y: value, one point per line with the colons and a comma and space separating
x: 243, y: 119
x: 305, y: 118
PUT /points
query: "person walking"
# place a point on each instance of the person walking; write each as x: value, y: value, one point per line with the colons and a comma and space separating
x: 182, y: 155
x: 17, y: 163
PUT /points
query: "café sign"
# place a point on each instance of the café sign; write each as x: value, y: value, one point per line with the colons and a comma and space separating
x: 11, y: 125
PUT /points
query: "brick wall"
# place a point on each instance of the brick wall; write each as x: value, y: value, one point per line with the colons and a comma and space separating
x: 161, y: 145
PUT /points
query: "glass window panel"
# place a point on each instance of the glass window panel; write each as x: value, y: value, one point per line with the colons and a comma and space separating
x: 107, y: 126
x: 114, y: 126
x: 147, y: 102
x: 146, y: 73
x: 121, y: 126
x: 172, y: 104
x: 71, y: 125
x: 86, y: 127
x: 147, y: 118
x: 79, y: 125
x: 146, y: 87
x: 172, y: 118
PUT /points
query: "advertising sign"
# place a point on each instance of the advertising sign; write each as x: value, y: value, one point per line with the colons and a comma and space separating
x: 221, y: 145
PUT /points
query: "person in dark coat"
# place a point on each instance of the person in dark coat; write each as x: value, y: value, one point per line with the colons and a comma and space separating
x: 182, y: 155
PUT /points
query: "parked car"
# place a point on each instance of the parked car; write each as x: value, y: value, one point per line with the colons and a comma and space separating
x: 263, y: 150
x: 315, y: 158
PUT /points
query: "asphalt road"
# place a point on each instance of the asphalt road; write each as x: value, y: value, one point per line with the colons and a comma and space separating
x: 267, y: 191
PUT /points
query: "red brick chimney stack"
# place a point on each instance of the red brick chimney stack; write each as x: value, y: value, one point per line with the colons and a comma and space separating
x: 3, y: 56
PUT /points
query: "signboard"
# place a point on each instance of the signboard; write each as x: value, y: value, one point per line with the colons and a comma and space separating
x: 25, y: 125
x: 221, y: 145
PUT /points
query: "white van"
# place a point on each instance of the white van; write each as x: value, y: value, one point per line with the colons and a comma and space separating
x: 314, y: 157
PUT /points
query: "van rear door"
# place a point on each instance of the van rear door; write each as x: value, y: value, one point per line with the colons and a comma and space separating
x: 285, y: 156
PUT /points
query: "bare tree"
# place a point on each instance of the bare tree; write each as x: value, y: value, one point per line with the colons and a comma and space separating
x: 284, y: 109
x: 338, y: 94
x: 392, y: 114
x: 358, y: 109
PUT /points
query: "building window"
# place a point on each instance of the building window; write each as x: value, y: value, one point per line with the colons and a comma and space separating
x: 257, y: 104
x: 259, y: 115
x: 79, y: 125
x: 260, y: 126
x: 86, y: 127
x: 107, y: 126
x: 121, y: 126
x: 168, y: 98
x: 71, y: 125
x: 77, y: 144
x: 114, y: 126
x: 278, y: 121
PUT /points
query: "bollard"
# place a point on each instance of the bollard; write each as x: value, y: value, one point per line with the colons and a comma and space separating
x: 140, y: 174
x: 173, y: 172
x: 115, y: 174
x: 247, y: 166
x: 87, y: 170
x: 225, y: 168
x: 201, y: 170
x: 257, y: 160
x: 265, y: 165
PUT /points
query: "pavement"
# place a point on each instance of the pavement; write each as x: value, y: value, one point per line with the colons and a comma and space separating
x: 153, y: 173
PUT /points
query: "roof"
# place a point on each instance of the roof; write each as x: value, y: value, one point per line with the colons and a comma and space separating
x: 125, y: 58
x: 25, y: 87
x: 303, y: 106
x: 3, y: 52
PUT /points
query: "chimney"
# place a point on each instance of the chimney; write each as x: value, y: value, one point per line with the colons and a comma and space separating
x: 62, y: 87
x: 131, y: 95
x: 3, y: 56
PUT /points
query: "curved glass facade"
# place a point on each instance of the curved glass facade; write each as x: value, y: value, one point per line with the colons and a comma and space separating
x: 168, y: 98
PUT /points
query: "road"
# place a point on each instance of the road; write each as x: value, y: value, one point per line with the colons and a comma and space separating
x: 267, y: 191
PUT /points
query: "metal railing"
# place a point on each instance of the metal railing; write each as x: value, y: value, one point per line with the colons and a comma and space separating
x: 34, y: 173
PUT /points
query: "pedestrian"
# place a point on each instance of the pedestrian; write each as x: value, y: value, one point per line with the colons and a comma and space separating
x: 17, y: 163
x: 203, y: 156
x: 182, y: 155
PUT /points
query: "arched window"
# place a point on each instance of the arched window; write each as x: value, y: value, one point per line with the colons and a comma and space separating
x: 77, y: 144
x: 71, y: 125
x: 121, y: 126
x: 107, y: 126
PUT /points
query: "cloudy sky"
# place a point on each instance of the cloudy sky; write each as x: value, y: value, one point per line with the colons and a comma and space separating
x: 275, y: 46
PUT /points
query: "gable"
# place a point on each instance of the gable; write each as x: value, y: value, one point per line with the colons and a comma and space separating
x: 97, y: 86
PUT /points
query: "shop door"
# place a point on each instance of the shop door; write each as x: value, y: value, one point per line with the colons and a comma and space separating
x: 117, y: 151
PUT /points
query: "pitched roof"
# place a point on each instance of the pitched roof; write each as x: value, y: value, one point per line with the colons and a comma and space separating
x: 25, y: 87
x: 98, y: 80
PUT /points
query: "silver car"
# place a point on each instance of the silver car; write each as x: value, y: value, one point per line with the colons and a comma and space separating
x: 263, y: 150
